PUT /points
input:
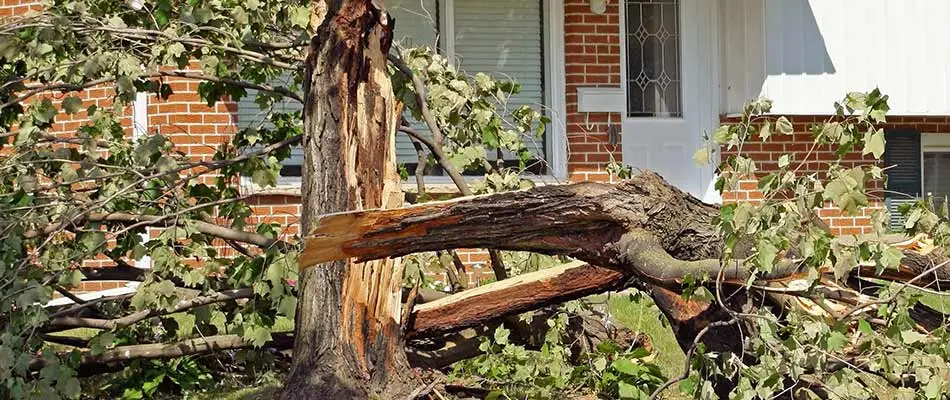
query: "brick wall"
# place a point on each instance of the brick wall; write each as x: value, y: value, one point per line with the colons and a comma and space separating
x: 592, y: 58
x: 798, y: 144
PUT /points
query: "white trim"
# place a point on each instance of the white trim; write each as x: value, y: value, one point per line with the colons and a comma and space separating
x: 931, y: 142
x: 447, y: 29
x: 555, y: 86
x: 140, y: 130
x: 129, y: 288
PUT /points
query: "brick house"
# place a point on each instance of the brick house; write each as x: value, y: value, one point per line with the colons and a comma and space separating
x: 640, y: 81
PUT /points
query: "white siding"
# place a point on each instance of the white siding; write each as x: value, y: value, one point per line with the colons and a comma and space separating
x: 814, y: 51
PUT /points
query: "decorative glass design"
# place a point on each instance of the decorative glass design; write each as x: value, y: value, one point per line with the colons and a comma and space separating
x: 653, y: 59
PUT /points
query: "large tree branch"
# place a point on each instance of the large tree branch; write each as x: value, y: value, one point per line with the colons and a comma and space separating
x: 642, y: 226
x: 511, y: 296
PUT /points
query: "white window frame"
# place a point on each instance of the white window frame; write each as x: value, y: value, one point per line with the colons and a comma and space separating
x: 931, y: 143
x: 554, y: 97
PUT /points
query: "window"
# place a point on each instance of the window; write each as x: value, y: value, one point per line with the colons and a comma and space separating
x: 500, y: 37
x: 936, y: 168
x: 919, y: 165
x: 653, y: 59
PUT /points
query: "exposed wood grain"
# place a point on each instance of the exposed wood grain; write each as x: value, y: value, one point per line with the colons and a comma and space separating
x: 512, y: 296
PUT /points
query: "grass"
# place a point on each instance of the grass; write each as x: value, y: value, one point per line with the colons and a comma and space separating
x: 266, y: 391
x: 642, y: 316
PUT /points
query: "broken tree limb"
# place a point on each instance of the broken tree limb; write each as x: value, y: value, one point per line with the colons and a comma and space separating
x: 128, y: 320
x: 511, y: 296
x: 642, y: 226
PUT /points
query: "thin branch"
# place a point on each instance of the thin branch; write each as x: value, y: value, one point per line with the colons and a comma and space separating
x: 441, y: 158
x: 69, y: 295
x: 90, y: 303
x: 205, y: 345
x: 156, y: 220
x: 896, y: 293
x: 112, y: 324
x: 498, y: 265
x: 689, y: 357
x: 420, y: 166
x: 65, y: 340
x: 264, y: 88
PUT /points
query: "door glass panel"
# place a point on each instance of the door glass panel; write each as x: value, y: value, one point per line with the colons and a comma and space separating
x: 653, y: 59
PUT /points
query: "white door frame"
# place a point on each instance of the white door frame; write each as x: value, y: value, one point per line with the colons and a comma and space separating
x: 700, y: 76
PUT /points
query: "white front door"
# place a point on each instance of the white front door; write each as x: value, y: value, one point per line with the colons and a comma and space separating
x: 671, y: 80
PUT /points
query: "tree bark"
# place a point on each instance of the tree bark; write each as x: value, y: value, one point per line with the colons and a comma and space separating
x: 349, y: 340
x: 643, y: 228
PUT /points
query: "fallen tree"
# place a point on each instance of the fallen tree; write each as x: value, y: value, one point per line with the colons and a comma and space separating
x: 744, y: 286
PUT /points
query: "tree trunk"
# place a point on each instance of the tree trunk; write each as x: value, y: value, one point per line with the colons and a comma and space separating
x: 349, y: 340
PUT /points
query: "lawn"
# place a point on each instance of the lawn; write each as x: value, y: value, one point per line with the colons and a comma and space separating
x: 641, y: 315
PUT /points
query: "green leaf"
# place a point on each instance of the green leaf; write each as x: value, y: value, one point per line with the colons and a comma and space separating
x: 209, y: 64
x: 91, y: 241
x: 784, y: 126
x: 628, y: 391
x: 102, y: 341
x: 875, y: 144
x: 701, y: 156
x: 911, y: 337
x: 836, y: 340
x: 117, y: 22
x: 766, y: 132
x: 300, y: 16
x: 721, y: 135
x: 766, y: 255
x: 175, y: 50
x: 501, y: 335
x: 626, y: 367
x: 865, y: 327
x: 878, y: 116
x: 784, y: 160
x: 891, y: 257
x: 288, y: 306
x: 72, y: 104
x: 257, y: 336
x: 600, y: 364
x: 934, y: 388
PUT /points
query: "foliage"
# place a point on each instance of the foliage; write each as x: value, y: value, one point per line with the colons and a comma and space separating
x: 617, y: 373
x: 56, y: 188
x: 513, y: 371
x: 143, y: 381
x: 843, y: 353
x: 474, y: 115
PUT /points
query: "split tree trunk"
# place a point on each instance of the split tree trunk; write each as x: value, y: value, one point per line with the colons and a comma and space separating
x: 643, y: 228
x: 349, y: 340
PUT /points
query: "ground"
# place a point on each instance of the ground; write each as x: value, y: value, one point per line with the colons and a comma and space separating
x: 639, y: 315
